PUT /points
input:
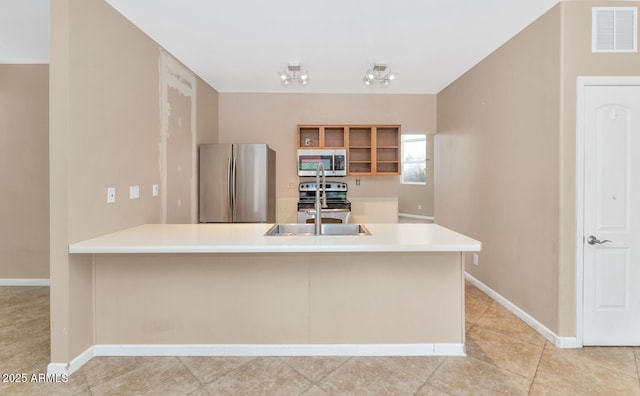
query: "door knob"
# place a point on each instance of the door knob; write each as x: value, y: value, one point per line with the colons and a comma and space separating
x: 592, y: 240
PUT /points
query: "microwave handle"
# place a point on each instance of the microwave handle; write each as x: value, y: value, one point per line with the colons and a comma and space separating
x: 333, y: 162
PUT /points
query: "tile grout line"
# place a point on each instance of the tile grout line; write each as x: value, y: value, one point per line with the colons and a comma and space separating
x: 535, y: 375
x: 204, y: 386
x: 426, y: 382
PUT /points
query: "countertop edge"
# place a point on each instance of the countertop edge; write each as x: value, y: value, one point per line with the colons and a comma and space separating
x: 250, y: 239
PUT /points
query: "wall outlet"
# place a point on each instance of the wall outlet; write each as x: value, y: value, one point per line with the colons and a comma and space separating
x: 419, y: 207
x: 111, y: 195
x: 291, y: 184
x: 475, y: 259
x: 134, y: 192
x: 154, y: 190
x: 357, y: 182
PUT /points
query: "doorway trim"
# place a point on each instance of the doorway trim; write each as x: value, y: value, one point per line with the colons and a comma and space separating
x: 582, y: 82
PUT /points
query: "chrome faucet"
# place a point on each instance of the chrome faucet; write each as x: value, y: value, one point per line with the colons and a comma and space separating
x: 318, y: 204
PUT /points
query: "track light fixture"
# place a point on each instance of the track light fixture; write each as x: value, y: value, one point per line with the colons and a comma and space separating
x: 378, y: 75
x: 294, y: 73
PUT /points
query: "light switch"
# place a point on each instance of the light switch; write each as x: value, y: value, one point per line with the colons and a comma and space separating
x: 111, y: 195
x: 134, y: 192
x: 154, y: 190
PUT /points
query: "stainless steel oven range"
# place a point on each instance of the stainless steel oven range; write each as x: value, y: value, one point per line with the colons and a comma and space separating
x: 338, y: 207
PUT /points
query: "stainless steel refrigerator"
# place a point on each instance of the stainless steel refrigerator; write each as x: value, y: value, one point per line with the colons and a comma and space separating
x: 237, y: 183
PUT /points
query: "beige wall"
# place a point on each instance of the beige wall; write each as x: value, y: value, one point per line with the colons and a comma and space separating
x: 105, y: 132
x: 272, y: 119
x: 497, y: 166
x: 520, y: 105
x: 24, y: 171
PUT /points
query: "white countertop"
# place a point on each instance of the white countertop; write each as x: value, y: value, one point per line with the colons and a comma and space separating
x: 249, y: 238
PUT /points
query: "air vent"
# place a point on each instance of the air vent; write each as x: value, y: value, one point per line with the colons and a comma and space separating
x: 614, y: 29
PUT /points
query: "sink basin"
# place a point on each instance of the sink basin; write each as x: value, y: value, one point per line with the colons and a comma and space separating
x: 307, y: 229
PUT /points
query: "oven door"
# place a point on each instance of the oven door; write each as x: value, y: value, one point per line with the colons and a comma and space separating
x: 341, y: 216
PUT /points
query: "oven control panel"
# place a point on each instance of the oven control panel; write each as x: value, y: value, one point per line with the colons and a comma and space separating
x: 329, y: 186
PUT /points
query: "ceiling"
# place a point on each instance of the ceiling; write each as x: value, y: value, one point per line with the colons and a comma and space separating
x: 241, y: 45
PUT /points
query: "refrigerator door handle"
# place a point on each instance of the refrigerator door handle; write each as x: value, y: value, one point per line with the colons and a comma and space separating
x: 233, y: 187
x: 230, y: 186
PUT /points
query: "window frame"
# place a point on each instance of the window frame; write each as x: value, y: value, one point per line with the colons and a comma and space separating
x: 412, y: 138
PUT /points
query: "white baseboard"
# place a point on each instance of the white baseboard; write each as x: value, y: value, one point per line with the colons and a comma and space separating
x: 57, y: 369
x: 25, y: 282
x: 256, y: 350
x: 412, y: 216
x: 560, y: 342
x: 81, y: 359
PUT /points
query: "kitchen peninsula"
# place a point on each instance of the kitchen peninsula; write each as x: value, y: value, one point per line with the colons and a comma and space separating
x: 227, y: 289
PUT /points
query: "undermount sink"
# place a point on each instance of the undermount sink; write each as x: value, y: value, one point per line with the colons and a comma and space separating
x: 308, y: 229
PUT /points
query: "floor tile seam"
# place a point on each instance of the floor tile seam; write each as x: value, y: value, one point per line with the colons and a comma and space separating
x: 137, y: 368
x: 324, y: 377
x: 426, y: 382
x: 494, y: 330
x: 252, y: 359
x: 588, y: 369
x: 489, y: 361
x: 611, y: 369
x: 596, y: 364
x: 307, y: 389
x: 86, y: 381
x: 535, y: 374
x: 319, y: 382
x: 311, y: 382
x: 636, y: 354
x: 203, y: 385
x: 410, y: 374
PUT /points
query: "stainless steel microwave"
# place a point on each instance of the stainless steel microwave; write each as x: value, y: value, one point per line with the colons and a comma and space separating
x: 333, y: 160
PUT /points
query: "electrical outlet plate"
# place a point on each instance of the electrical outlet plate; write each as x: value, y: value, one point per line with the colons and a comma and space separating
x: 134, y: 192
x: 475, y: 259
x: 154, y: 190
x: 111, y: 195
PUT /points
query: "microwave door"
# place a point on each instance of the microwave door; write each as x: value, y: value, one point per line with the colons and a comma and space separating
x: 308, y: 164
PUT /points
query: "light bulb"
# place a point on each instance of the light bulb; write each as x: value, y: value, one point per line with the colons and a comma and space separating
x: 283, y: 77
x: 304, y: 76
x: 370, y: 76
x: 392, y: 76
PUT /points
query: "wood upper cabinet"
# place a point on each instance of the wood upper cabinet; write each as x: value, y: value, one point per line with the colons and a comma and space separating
x: 371, y: 149
x: 321, y: 136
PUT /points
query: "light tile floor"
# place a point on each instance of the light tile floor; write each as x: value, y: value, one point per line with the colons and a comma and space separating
x: 505, y: 357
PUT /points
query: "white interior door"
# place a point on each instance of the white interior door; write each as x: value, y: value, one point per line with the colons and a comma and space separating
x: 611, y: 249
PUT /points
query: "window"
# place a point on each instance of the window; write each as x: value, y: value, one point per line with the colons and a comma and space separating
x: 414, y: 159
